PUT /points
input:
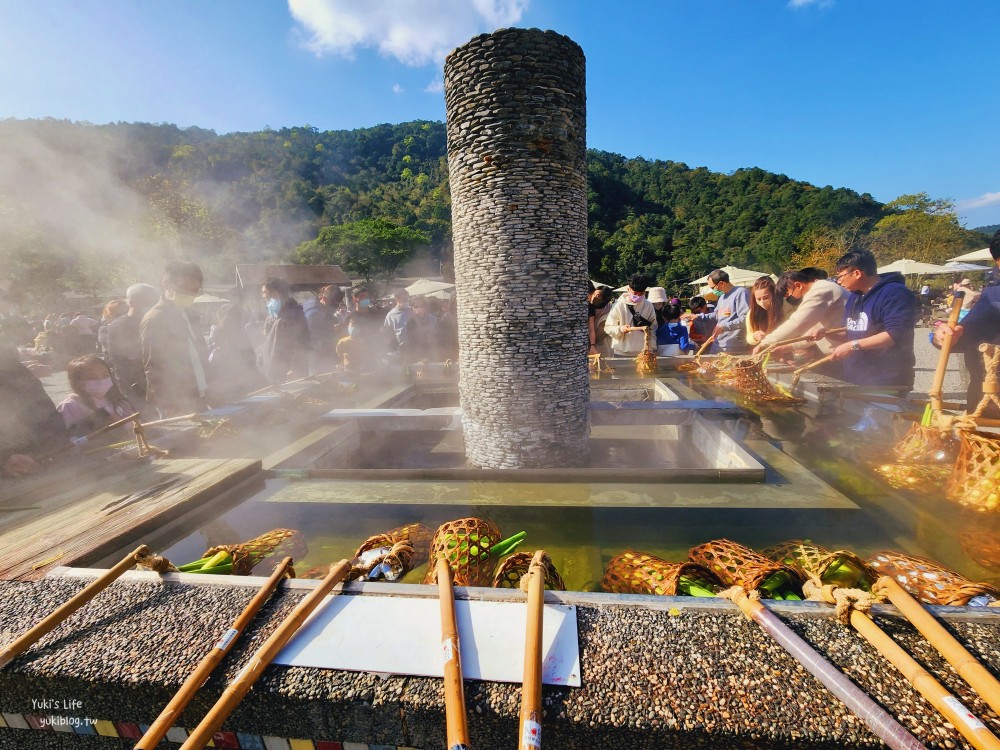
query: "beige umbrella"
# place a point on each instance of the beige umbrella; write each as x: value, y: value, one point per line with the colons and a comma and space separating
x: 737, y: 276
x: 983, y: 254
x: 909, y: 267
x: 426, y: 286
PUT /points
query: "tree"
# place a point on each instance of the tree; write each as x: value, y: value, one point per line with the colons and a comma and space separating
x: 821, y: 246
x: 920, y: 228
x: 370, y: 248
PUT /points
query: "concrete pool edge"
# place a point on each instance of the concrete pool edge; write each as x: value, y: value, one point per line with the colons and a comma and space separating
x: 657, y: 672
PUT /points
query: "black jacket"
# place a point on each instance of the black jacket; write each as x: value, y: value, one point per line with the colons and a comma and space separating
x: 286, y: 344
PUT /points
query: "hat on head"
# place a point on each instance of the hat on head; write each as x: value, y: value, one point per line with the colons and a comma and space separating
x: 656, y: 294
x: 966, y: 282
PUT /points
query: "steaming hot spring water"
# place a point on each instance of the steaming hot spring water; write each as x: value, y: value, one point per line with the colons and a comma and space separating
x: 674, y: 462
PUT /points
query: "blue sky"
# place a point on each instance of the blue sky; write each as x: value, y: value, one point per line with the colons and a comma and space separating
x: 886, y: 97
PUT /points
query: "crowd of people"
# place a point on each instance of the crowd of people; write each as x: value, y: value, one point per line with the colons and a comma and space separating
x: 150, y: 354
x: 865, y: 321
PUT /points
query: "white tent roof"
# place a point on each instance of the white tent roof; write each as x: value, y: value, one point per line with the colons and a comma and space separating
x: 909, y: 267
x: 952, y: 265
x: 983, y: 254
x: 426, y: 286
x: 737, y: 276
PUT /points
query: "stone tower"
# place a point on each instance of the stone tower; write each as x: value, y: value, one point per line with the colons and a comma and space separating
x: 516, y: 104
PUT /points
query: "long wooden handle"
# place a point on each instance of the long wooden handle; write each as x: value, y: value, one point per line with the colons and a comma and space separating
x: 967, y: 666
x: 924, y: 683
x: 454, y: 693
x: 942, y: 364
x: 708, y: 343
x: 202, y: 734
x: 531, y: 689
x: 159, y: 728
x: 49, y: 623
x: 806, y: 337
x: 796, y: 374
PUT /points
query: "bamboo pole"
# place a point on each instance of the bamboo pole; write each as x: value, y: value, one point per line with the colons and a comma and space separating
x: 967, y: 666
x: 159, y: 728
x: 202, y: 734
x: 922, y: 681
x: 797, y: 374
x: 948, y: 705
x: 703, y: 347
x: 454, y: 695
x: 531, y: 689
x: 885, y: 727
x: 171, y: 420
x: 797, y: 339
x: 53, y: 620
x: 942, y: 364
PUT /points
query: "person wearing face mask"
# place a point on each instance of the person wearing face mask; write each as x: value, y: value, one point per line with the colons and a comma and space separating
x: 284, y: 354
x: 354, y: 350
x: 629, y: 318
x: 731, y: 309
x: 173, y: 352
x: 766, y: 310
x: 95, y: 400
x: 817, y: 304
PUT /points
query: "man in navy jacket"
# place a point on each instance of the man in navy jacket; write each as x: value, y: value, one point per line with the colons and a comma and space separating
x: 880, y: 316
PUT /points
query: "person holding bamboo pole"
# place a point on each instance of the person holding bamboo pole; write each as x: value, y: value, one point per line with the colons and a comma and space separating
x: 980, y: 326
x: 817, y: 304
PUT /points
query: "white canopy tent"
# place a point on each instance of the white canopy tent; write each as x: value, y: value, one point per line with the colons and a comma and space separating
x: 737, y: 276
x: 983, y: 254
x: 909, y: 267
x: 426, y: 286
x: 963, y: 267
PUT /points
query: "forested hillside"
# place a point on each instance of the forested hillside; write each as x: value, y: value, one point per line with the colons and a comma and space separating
x: 87, y: 206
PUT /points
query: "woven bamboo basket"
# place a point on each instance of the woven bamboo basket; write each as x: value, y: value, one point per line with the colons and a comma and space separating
x: 246, y: 555
x: 923, y: 478
x: 927, y: 581
x: 409, y: 548
x: 634, y: 572
x: 645, y: 363
x: 747, y: 376
x: 982, y: 545
x: 829, y: 566
x: 921, y: 444
x: 736, y: 565
x: 465, y: 543
x: 511, y: 570
x: 975, y: 480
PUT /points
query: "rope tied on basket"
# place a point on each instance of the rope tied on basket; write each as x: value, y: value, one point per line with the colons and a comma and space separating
x: 393, y: 564
x: 845, y: 599
x: 149, y: 560
x: 734, y: 591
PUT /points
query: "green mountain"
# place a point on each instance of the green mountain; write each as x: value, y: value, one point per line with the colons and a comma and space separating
x: 990, y: 229
x: 87, y: 207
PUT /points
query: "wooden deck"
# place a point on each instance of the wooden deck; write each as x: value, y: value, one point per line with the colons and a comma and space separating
x: 79, y: 509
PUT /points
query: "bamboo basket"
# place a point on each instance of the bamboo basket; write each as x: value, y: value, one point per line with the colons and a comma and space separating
x: 597, y: 367
x: 645, y: 363
x: 812, y: 559
x: 922, y: 478
x: 465, y: 544
x: 747, y: 376
x: 511, y: 570
x: 922, y: 444
x: 927, y: 581
x: 409, y: 548
x: 982, y: 545
x: 246, y: 555
x: 634, y: 572
x: 975, y: 480
x: 736, y: 565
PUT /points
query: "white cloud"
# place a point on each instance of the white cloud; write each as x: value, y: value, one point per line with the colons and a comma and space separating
x: 796, y: 4
x: 986, y: 199
x: 397, y: 89
x: 435, y: 87
x: 415, y: 32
